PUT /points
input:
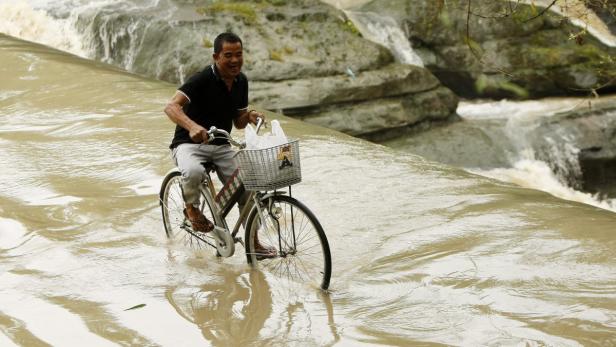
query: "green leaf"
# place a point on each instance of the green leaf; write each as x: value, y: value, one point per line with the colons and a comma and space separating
x: 135, y: 307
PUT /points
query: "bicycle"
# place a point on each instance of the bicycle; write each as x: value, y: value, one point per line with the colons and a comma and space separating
x: 281, y: 234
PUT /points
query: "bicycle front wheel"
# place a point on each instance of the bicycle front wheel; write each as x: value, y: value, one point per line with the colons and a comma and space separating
x: 177, y: 226
x: 287, y: 240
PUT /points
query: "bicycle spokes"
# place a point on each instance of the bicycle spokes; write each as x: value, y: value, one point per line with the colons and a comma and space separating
x: 301, y: 247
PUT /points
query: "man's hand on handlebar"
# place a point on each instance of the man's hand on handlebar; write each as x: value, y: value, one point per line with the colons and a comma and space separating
x: 198, y: 134
x: 253, y: 116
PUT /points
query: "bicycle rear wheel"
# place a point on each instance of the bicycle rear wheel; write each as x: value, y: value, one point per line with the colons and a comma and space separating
x: 301, y: 249
x: 177, y: 226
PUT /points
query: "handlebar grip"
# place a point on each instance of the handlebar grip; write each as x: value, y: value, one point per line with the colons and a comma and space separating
x: 211, y: 134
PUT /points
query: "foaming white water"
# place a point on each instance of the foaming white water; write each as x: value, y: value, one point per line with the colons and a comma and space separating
x: 19, y: 19
x: 384, y: 30
x: 538, y: 175
x: 506, y: 109
x: 527, y: 170
x: 343, y: 4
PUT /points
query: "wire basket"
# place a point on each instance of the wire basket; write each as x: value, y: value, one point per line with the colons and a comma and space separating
x: 270, y: 168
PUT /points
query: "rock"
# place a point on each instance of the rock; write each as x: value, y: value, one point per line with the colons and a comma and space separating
x: 591, y: 130
x: 396, y: 96
x: 511, y: 56
x: 387, y: 117
x: 388, y: 81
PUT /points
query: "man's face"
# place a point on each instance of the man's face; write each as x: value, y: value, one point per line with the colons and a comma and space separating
x: 229, y: 60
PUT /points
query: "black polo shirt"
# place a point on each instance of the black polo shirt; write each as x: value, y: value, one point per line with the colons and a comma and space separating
x: 211, y: 103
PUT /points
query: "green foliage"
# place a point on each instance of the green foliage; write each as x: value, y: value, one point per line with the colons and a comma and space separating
x: 445, y: 19
x: 277, y: 2
x: 524, y: 13
x: 276, y: 55
x: 207, y: 43
x: 350, y: 27
x: 243, y: 9
x: 515, y: 89
x: 135, y: 307
x: 474, y: 46
x: 484, y: 84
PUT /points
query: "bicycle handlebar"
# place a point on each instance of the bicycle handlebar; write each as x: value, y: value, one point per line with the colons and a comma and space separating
x: 215, y: 133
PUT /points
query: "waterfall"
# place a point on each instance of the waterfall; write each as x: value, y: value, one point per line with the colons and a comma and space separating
x: 547, y: 161
x: 22, y: 20
x: 385, y: 31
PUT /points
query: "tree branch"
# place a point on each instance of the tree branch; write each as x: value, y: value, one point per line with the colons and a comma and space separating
x: 540, y: 13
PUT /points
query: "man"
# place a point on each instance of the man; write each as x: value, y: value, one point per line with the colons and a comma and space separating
x: 216, y: 96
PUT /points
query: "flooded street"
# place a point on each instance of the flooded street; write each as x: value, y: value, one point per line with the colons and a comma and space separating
x: 423, y: 253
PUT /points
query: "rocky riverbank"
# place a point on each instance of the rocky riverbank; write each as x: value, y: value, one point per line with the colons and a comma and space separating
x: 304, y: 59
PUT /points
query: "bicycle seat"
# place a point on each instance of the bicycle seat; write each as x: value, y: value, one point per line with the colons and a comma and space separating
x: 209, y: 166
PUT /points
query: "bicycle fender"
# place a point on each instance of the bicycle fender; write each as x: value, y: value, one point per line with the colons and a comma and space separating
x: 175, y: 169
x: 269, y: 195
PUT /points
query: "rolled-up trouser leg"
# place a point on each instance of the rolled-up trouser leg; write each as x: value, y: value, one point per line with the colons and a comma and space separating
x: 188, y: 157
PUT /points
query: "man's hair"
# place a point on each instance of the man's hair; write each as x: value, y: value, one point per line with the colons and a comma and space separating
x: 225, y: 37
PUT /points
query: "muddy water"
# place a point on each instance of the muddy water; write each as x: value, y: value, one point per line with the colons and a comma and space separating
x: 423, y: 253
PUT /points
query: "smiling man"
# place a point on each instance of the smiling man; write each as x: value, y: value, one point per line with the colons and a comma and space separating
x: 216, y: 96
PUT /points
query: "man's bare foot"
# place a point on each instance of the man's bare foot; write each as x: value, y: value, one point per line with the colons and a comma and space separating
x: 197, y: 219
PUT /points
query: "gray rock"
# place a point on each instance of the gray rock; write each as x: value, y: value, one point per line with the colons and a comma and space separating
x: 388, y: 81
x: 386, y: 117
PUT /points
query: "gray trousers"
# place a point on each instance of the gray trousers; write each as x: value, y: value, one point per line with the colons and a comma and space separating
x: 188, y: 158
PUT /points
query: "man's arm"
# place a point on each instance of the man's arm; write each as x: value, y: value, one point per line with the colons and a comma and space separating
x: 174, y: 111
x: 247, y: 116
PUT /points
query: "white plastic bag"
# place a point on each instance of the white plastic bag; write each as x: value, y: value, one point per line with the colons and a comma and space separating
x: 252, y: 140
x: 268, y: 140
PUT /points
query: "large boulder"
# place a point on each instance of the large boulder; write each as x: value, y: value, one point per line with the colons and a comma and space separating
x: 509, y: 53
x: 376, y: 103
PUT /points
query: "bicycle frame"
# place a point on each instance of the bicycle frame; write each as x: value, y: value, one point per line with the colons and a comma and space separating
x: 220, y: 213
x: 253, y: 200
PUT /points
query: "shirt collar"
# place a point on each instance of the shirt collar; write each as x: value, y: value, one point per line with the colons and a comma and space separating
x: 217, y: 75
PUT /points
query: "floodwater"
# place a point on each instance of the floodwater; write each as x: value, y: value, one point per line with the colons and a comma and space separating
x: 423, y: 253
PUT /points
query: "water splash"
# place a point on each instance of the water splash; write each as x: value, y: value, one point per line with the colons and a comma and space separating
x: 538, y: 175
x: 551, y: 165
x: 19, y: 19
